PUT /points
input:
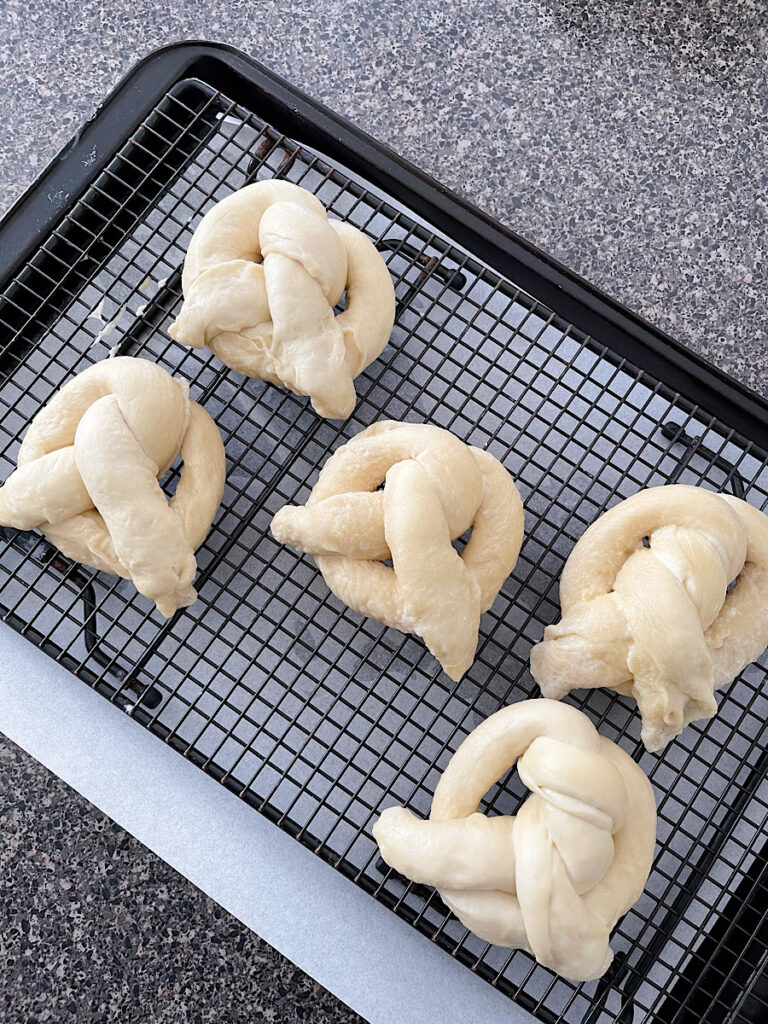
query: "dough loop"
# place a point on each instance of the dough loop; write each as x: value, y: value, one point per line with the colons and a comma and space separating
x: 88, y: 471
x: 436, y: 489
x: 263, y: 272
x: 555, y: 878
x: 659, y: 623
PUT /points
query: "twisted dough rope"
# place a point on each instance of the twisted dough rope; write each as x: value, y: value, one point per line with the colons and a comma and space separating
x: 88, y: 473
x: 658, y: 623
x: 436, y: 488
x: 262, y: 275
x: 554, y: 879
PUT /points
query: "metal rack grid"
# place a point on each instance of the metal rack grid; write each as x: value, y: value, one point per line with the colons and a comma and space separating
x: 320, y: 718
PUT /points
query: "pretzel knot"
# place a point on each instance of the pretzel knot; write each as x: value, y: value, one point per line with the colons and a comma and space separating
x: 659, y: 623
x: 555, y: 878
x: 263, y: 272
x: 436, y: 489
x: 88, y: 473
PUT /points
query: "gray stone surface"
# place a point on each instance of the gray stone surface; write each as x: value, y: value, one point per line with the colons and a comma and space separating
x: 95, y: 929
x: 626, y: 137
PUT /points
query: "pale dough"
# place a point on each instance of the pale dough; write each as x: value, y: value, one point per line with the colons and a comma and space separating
x: 555, y: 878
x: 436, y: 488
x: 88, y: 471
x: 263, y: 272
x: 659, y: 623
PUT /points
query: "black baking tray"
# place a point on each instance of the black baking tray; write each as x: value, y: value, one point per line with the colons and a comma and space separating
x: 312, y: 715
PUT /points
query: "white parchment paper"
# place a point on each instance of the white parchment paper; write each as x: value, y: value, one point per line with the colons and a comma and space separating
x: 366, y: 956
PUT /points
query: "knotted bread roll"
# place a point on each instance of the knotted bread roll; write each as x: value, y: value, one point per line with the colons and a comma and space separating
x: 436, y: 488
x: 555, y: 878
x: 262, y: 275
x: 88, y: 473
x: 659, y: 623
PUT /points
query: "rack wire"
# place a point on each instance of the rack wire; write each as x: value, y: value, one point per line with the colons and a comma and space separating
x: 320, y: 718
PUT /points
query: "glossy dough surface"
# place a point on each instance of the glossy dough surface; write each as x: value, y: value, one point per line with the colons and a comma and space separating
x: 436, y: 489
x: 555, y: 878
x: 88, y: 471
x: 263, y: 272
x: 659, y: 623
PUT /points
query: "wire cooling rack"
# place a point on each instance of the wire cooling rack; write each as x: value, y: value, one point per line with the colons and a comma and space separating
x: 320, y: 718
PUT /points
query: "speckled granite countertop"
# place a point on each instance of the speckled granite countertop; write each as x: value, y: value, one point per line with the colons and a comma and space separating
x: 629, y: 139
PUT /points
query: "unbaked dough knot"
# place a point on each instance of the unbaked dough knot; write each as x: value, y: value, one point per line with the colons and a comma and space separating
x: 88, y: 471
x: 264, y: 270
x: 647, y: 609
x: 436, y: 488
x: 554, y: 878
